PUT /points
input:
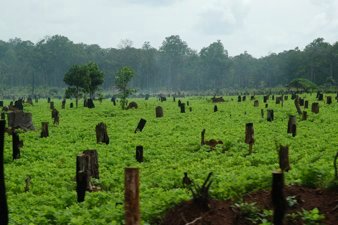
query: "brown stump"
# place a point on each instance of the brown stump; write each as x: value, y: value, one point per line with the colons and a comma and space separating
x: 304, y: 115
x: 51, y: 105
x: 278, y: 100
x: 320, y: 97
x: 131, y: 195
x: 270, y: 115
x: 249, y: 136
x: 266, y: 105
x: 298, y: 106
x: 278, y: 198
x: 48, y: 100
x: 101, y: 133
x: 3, y: 199
x: 44, y: 129
x: 182, y: 107
x: 292, y: 125
x: 190, y: 109
x: 93, y: 163
x: 90, y: 103
x: 306, y: 104
x: 159, y: 112
x: 315, y: 107
x: 284, y: 158
x: 139, y: 153
x: 82, y: 178
x: 328, y: 100
x: 55, y: 116
x: 140, y: 125
x: 256, y: 103
x: 16, y: 145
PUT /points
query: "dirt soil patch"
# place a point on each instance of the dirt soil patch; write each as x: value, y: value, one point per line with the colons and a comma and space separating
x: 222, y: 212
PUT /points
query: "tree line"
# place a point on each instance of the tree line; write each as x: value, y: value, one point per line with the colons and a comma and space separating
x: 174, y: 66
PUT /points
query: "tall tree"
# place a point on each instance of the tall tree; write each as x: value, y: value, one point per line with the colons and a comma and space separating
x: 122, y: 78
x: 77, y: 78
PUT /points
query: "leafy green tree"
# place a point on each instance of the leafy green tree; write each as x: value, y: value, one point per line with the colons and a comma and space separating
x: 303, y: 84
x: 122, y: 78
x: 95, y: 78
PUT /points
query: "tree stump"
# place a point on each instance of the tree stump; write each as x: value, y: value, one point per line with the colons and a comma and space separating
x: 256, y: 103
x: 1, y: 103
x: 188, y: 103
x: 30, y: 100
x: 55, y: 116
x: 292, y: 125
x: 16, y: 145
x: 3, y: 115
x: 252, y: 97
x: 265, y: 98
x: 270, y: 115
x: 71, y: 105
x: 301, y: 101
x: 63, y: 106
x: 306, y: 104
x: 298, y: 106
x: 278, y: 99
x: 131, y: 196
x: 90, y: 103
x: 179, y: 103
x: 174, y: 99
x: 328, y: 100
x: 304, y: 115
x: 3, y: 199
x: 51, y: 105
x: 273, y: 97
x: 249, y: 136
x: 101, y: 133
x: 140, y: 125
x: 182, y: 107
x: 139, y: 153
x: 244, y: 98
x: 132, y: 105
x: 239, y: 98
x: 48, y: 100
x: 190, y: 109
x: 82, y: 178
x: 262, y: 113
x: 315, y: 107
x: 286, y: 97
x: 44, y: 129
x: 266, y: 105
x: 93, y: 163
x: 320, y: 97
x: 284, y: 158
x: 278, y: 198
x: 159, y: 112
x: 215, y: 108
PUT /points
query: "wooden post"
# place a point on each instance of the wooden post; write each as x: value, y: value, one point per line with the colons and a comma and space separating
x: 139, y: 153
x: 284, y: 158
x: 159, y: 111
x: 182, y: 107
x: 215, y: 108
x: 328, y: 100
x: 270, y: 115
x: 249, y: 136
x: 304, y: 115
x: 306, y: 104
x: 44, y: 129
x: 278, y: 99
x: 3, y: 199
x: 286, y: 97
x: 256, y: 103
x: 140, y: 125
x: 188, y: 103
x: 278, y: 198
x: 190, y: 109
x: 131, y: 195
x: 292, y: 125
x: 315, y: 107
x: 266, y: 105
x: 82, y: 178
x: 101, y: 133
x: 16, y: 144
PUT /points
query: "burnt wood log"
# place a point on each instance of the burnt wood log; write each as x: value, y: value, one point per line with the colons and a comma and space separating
x: 82, y: 178
x: 19, y: 119
x: 44, y: 130
x: 278, y: 198
x: 101, y: 133
x: 131, y: 196
x: 217, y: 99
x: 139, y: 153
x: 284, y: 158
x: 16, y: 145
x: 292, y: 125
x: 315, y: 107
x: 270, y: 115
x: 3, y: 199
x: 140, y: 125
x: 249, y: 136
x: 159, y: 111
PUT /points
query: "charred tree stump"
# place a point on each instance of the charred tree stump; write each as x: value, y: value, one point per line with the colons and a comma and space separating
x: 315, y: 107
x: 202, y: 137
x: 179, y: 103
x: 90, y: 104
x: 299, y: 111
x: 215, y: 108
x: 306, y: 104
x: 174, y: 99
x: 139, y: 153
x: 292, y: 125
x: 256, y: 103
x: 93, y: 163
x: 284, y: 158
x: 252, y: 97
x: 182, y: 107
x: 1, y: 103
x: 16, y: 144
x: 320, y: 97
x: 71, y: 105
x: 51, y: 105
x: 159, y: 112
x: 190, y: 109
x: 131, y: 196
x: 188, y: 103
x: 273, y: 97
x: 101, y: 133
x: 48, y: 100
x: 186, y: 180
x: 278, y: 198
x: 278, y: 99
x: 265, y: 98
x: 286, y: 97
x: 85, y: 103
x: 140, y: 125
x: 270, y: 115
x: 44, y: 129
x: 82, y: 178
x: 301, y: 102
x: 244, y: 98
x: 55, y: 116
x: 262, y: 113
x: 3, y: 199
x: 63, y: 104
x: 266, y: 105
x: 249, y: 136
x: 304, y: 115
x: 328, y: 100
x: 239, y: 98
x: 3, y: 115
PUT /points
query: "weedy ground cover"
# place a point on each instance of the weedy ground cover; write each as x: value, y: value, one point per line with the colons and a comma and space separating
x: 171, y: 147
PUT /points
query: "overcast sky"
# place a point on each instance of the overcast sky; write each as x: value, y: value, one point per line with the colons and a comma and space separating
x: 259, y: 27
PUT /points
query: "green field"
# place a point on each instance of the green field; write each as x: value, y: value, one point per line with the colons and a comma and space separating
x: 171, y: 147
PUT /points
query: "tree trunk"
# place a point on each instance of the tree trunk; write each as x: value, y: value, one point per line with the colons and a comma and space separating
x: 315, y: 107
x: 278, y: 198
x: 44, y: 129
x: 131, y: 195
x: 101, y: 133
x: 3, y: 199
x: 292, y: 125
x: 159, y: 112
x: 284, y: 158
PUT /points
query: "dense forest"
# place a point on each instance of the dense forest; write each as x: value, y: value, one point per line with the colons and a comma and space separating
x: 172, y: 67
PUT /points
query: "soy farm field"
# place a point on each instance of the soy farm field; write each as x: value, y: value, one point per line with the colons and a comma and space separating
x: 172, y: 146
